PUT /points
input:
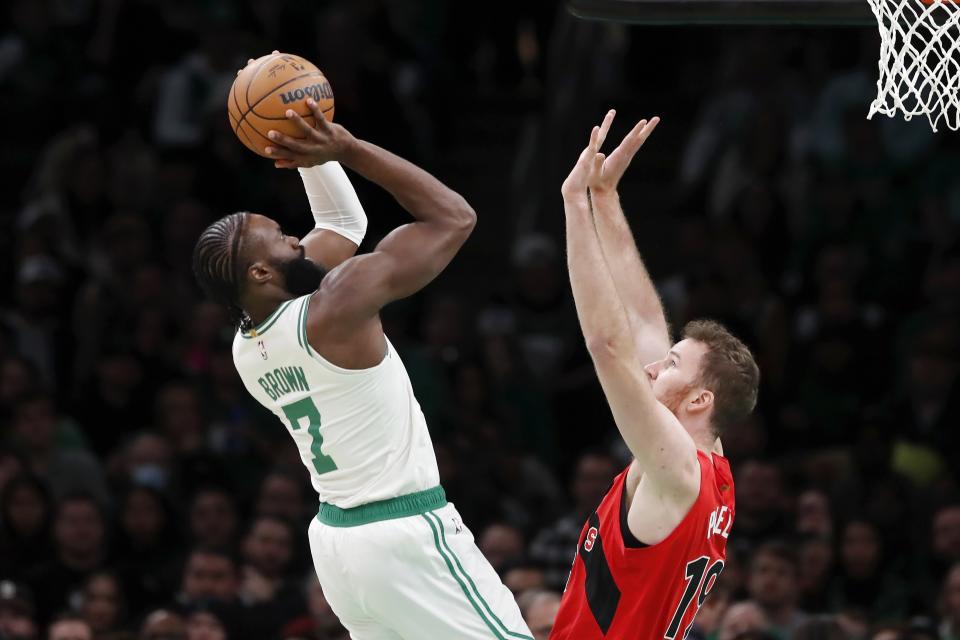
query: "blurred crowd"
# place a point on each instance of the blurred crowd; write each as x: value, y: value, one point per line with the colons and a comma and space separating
x: 144, y: 494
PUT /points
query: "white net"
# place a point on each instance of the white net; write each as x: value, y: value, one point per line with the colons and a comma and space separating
x: 919, y: 60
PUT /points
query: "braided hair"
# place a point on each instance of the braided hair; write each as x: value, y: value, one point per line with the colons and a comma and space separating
x: 217, y: 266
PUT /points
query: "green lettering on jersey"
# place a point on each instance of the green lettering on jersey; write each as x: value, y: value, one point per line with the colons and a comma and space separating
x: 301, y: 378
x: 267, y: 389
x: 273, y: 384
x: 290, y: 378
x: 281, y: 382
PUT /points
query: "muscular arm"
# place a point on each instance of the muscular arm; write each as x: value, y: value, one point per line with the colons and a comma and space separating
x: 410, y: 256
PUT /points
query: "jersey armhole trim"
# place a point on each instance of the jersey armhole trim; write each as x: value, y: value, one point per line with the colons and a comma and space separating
x: 304, y: 342
x: 629, y: 540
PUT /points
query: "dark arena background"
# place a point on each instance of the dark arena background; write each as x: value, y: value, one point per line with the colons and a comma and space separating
x: 143, y: 491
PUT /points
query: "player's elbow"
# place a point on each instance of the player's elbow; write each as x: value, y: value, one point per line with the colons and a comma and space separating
x: 461, y: 218
x: 602, y: 346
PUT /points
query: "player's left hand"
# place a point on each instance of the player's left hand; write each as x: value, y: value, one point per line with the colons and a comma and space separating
x: 589, y: 164
x: 615, y: 164
x: 320, y: 143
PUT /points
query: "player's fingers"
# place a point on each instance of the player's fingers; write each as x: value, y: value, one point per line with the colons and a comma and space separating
x: 597, y: 167
x: 321, y: 120
x: 605, y: 126
x: 286, y: 142
x: 648, y: 129
x: 278, y: 153
x: 594, y: 137
x: 302, y: 124
x: 285, y: 164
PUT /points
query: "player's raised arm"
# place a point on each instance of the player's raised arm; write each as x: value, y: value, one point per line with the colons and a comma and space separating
x: 340, y: 222
x: 410, y: 256
x: 663, y: 448
x: 640, y: 299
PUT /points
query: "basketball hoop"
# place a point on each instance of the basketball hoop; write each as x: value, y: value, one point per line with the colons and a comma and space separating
x: 919, y: 60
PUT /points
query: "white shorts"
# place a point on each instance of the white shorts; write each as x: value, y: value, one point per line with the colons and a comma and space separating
x: 418, y: 577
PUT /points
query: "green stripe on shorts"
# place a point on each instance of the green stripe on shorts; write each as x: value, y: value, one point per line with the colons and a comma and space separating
x: 463, y: 587
x: 473, y: 586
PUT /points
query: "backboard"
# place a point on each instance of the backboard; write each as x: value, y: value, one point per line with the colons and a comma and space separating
x: 732, y: 12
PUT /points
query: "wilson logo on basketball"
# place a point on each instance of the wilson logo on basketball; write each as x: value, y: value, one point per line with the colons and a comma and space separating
x: 590, y: 539
x: 319, y: 91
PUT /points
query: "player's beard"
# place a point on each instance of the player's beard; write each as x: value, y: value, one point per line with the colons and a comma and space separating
x: 673, y: 399
x: 302, y: 275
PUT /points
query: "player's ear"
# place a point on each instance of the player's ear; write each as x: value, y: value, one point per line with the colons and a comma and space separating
x: 701, y: 402
x: 259, y: 272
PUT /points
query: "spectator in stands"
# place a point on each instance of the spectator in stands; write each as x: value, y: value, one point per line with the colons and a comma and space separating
x: 281, y: 494
x: 147, y: 549
x: 539, y: 609
x: 79, y: 537
x: 17, y: 617
x: 865, y: 583
x: 69, y: 627
x: 813, y: 515
x: 102, y: 604
x: 555, y: 545
x: 820, y: 628
x: 45, y: 440
x: 320, y: 623
x: 501, y: 544
x: 742, y: 618
x: 214, y: 520
x: 816, y: 555
x: 210, y: 574
x: 209, y: 622
x: 774, y: 586
x: 761, y: 505
x: 949, y: 605
x: 25, y: 517
x: 269, y: 596
x: 521, y: 574
x: 163, y: 624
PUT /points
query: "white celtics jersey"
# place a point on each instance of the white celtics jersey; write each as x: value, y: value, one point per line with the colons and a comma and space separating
x: 360, y: 433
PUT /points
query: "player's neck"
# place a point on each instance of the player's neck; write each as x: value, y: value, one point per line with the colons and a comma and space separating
x: 703, y: 436
x: 261, y: 308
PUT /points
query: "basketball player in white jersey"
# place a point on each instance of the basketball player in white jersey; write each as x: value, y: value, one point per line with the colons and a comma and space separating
x: 392, y: 555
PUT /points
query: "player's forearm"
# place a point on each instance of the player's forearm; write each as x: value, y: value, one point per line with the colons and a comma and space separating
x: 601, y: 314
x: 630, y: 276
x: 427, y: 199
x: 333, y: 201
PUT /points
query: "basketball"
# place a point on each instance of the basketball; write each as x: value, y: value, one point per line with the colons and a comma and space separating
x: 266, y: 88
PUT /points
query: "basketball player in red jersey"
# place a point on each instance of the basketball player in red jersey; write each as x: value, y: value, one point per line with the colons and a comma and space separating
x: 654, y: 548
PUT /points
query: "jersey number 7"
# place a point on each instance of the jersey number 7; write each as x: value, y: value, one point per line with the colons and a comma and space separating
x: 305, y: 409
x: 698, y: 579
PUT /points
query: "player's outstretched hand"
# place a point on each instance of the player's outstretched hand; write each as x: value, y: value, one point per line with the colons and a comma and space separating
x: 615, y: 164
x: 320, y: 143
x: 589, y: 164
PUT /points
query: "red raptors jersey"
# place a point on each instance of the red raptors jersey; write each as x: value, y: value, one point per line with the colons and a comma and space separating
x: 620, y: 588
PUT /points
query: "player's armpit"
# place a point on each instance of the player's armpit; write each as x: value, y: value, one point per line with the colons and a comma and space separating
x: 327, y: 248
x: 663, y: 448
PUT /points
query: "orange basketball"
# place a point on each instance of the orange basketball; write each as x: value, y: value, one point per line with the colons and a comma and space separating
x: 266, y: 88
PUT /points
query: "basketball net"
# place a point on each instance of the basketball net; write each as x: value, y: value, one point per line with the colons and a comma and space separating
x: 919, y: 60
